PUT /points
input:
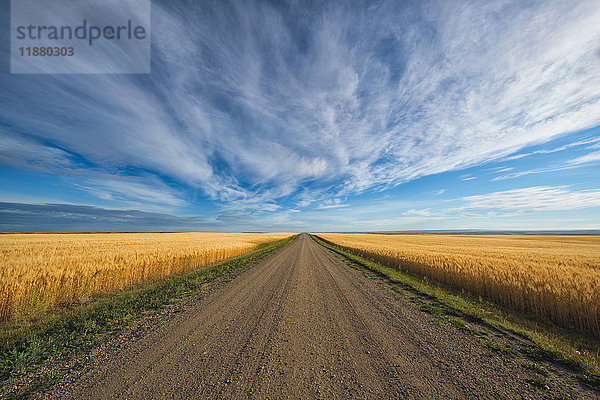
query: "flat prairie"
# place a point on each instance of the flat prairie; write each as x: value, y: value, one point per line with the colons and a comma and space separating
x: 42, y: 271
x: 554, y: 277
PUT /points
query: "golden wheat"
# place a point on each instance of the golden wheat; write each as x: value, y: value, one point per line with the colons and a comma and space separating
x: 42, y: 271
x: 555, y: 277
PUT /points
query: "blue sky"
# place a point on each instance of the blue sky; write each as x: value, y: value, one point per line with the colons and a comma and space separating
x: 313, y: 116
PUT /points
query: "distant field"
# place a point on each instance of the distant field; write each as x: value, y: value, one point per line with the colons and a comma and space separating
x: 42, y: 271
x: 555, y: 277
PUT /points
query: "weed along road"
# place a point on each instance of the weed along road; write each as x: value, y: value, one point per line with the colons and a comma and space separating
x: 304, y: 323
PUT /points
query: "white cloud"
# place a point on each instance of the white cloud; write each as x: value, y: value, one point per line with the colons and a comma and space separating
x: 519, y: 174
x: 150, y: 194
x: 533, y: 199
x: 422, y: 213
x: 591, y: 142
x: 21, y: 151
x: 588, y: 158
x: 502, y: 169
x: 315, y: 167
x: 331, y: 206
x: 570, y: 164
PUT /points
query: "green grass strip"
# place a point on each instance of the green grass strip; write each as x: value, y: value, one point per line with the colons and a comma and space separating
x: 82, y: 327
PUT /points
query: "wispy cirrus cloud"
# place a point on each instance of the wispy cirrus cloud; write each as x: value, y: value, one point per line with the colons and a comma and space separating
x: 589, y: 143
x: 533, y: 199
x: 24, y: 152
x: 78, y: 218
x: 422, y: 213
x: 256, y: 104
x: 577, y: 162
x: 534, y: 171
x: 44, y: 217
x: 131, y: 192
x: 592, y: 157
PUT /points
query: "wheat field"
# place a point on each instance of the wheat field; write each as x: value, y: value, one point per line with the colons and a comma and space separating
x: 44, y: 271
x: 554, y: 277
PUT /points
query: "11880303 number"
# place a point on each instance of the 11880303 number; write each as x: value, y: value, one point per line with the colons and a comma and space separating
x: 47, y: 51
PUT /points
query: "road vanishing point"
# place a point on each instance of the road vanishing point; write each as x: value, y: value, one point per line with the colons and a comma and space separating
x: 301, y: 324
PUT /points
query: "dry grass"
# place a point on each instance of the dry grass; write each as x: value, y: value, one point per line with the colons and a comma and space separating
x: 43, y: 271
x: 554, y: 277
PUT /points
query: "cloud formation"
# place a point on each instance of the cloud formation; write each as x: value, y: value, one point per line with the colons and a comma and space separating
x: 256, y: 104
x: 21, y: 217
x: 533, y: 199
x: 24, y: 217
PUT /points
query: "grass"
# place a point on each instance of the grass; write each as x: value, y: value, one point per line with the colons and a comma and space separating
x: 548, y: 342
x: 542, y: 354
x: 466, y: 329
x: 537, y: 369
x: 538, y: 382
x: 505, y: 350
x: 24, y: 347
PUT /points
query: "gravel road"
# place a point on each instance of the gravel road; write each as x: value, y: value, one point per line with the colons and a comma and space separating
x: 304, y: 324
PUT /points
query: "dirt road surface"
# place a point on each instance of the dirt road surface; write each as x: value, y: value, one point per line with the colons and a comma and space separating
x: 304, y: 324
